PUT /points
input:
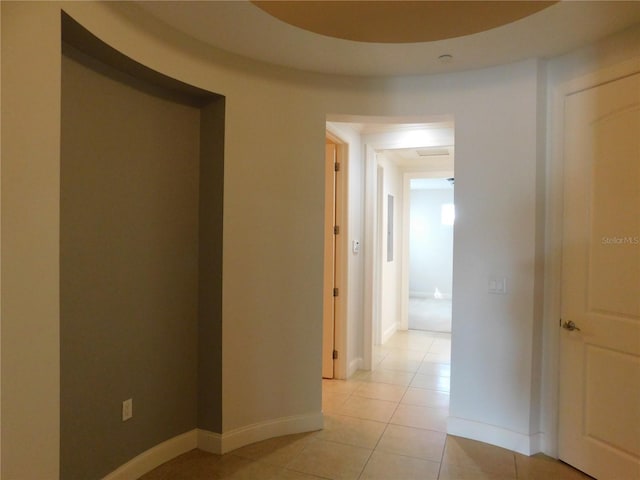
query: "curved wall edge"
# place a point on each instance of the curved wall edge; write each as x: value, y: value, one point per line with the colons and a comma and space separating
x: 155, y: 456
x: 222, y: 443
x: 215, y: 442
x: 498, y: 436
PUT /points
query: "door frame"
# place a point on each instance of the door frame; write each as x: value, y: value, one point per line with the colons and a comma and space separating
x: 554, y: 241
x: 341, y: 256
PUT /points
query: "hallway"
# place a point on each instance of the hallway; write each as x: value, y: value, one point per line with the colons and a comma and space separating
x: 387, y: 424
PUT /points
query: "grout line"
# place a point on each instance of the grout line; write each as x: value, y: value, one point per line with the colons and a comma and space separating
x: 446, y: 439
x: 373, y: 450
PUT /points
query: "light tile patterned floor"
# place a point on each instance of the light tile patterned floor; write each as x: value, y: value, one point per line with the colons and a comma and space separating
x: 388, y: 424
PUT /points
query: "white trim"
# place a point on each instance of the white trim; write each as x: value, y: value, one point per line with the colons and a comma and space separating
x: 388, y: 333
x: 501, y: 437
x: 155, y: 456
x: 209, y: 441
x: 226, y: 442
x: 215, y: 442
x: 425, y: 295
x: 378, y: 243
x: 370, y: 308
x: 404, y: 261
x: 605, y: 75
x: 354, y: 366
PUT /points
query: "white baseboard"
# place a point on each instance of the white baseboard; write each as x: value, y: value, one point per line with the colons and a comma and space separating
x: 155, y: 456
x: 210, y: 441
x: 501, y: 437
x: 386, y: 335
x: 214, y: 443
x: 418, y: 294
x: 354, y: 366
x: 226, y: 442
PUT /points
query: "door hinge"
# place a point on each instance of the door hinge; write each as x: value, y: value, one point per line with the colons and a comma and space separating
x: 336, y: 166
x: 336, y: 230
x: 336, y: 292
x: 335, y: 354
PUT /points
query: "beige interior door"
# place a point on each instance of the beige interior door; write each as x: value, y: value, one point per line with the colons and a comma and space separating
x: 599, y: 411
x: 328, y: 324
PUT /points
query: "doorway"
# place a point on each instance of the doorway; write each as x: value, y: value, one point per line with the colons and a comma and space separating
x: 430, y: 263
x: 366, y: 140
x: 420, y: 179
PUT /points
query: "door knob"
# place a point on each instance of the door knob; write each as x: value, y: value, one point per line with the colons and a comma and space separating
x: 570, y: 326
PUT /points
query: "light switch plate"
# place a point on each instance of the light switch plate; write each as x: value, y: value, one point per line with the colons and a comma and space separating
x: 498, y: 285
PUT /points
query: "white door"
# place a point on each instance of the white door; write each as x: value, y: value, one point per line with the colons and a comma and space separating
x: 599, y: 417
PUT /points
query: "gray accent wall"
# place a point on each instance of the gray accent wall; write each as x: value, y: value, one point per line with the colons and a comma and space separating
x: 140, y: 266
x: 210, y: 263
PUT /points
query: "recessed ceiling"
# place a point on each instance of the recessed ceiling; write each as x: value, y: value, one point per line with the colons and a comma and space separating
x: 243, y: 28
x: 399, y: 21
x: 414, y: 159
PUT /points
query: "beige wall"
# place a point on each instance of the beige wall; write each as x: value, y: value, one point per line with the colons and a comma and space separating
x: 273, y: 211
x: 30, y: 246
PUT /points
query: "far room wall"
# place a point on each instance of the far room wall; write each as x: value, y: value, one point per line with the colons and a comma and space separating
x: 430, y: 244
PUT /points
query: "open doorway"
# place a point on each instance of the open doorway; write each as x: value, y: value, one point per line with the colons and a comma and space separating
x: 385, y: 154
x: 431, y: 217
x: 393, y: 375
x: 421, y: 290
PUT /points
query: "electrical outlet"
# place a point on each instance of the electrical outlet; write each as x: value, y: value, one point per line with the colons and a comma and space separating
x: 127, y: 409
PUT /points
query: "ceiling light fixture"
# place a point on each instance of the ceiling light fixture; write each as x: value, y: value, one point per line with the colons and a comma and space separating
x: 432, y: 152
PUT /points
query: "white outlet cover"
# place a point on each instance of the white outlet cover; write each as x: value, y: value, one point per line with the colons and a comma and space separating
x: 127, y: 409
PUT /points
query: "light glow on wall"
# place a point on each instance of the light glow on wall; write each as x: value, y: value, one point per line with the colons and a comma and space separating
x: 447, y: 214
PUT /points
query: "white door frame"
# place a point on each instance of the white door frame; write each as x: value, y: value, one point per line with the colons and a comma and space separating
x: 553, y: 244
x: 371, y: 273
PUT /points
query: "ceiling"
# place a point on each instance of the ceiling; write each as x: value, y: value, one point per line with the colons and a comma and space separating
x: 399, y: 21
x: 471, y: 39
x: 413, y: 146
x: 424, y: 158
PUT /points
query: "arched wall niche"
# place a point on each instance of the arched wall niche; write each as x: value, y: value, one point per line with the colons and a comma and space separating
x: 142, y: 173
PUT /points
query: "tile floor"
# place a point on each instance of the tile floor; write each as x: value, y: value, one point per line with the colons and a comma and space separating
x: 388, y: 424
